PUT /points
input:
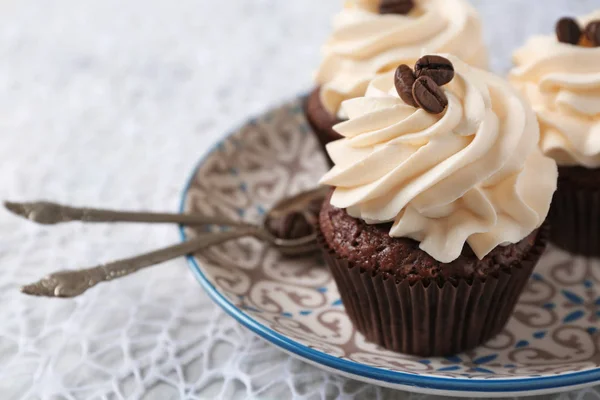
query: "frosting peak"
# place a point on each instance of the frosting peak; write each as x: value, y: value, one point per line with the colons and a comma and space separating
x: 472, y: 174
x: 365, y: 43
x: 562, y: 83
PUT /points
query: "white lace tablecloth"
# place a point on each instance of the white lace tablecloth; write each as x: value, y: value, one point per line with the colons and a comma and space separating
x: 110, y: 103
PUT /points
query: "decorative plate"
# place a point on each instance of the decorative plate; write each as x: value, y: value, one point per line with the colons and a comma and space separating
x: 551, y: 344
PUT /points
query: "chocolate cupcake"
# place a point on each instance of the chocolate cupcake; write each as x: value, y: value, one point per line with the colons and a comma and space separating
x: 375, y: 36
x: 321, y: 120
x: 433, y: 226
x: 560, y: 76
x: 400, y: 297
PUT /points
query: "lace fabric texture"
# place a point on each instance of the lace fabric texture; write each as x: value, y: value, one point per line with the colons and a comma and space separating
x: 111, y: 103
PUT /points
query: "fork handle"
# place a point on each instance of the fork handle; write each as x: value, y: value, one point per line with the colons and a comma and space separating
x: 48, y: 213
x: 74, y: 283
x: 118, y: 269
x: 99, y: 215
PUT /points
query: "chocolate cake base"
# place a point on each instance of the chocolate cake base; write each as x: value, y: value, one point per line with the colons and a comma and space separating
x: 404, y: 300
x: 575, y: 211
x: 321, y: 120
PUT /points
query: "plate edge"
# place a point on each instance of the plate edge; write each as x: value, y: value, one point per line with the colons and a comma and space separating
x: 409, y: 382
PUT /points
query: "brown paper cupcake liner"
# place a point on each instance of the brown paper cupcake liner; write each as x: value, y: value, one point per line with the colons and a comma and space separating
x: 575, y: 213
x: 426, y: 319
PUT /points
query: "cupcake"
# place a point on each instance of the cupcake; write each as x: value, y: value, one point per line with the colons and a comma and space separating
x: 560, y: 76
x: 435, y: 220
x: 374, y: 36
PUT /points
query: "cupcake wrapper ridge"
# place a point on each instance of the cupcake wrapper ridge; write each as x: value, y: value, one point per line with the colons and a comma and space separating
x: 575, y: 216
x: 426, y: 319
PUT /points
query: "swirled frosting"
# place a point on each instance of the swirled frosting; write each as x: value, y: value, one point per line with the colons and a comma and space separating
x: 365, y: 43
x: 473, y: 174
x: 562, y: 83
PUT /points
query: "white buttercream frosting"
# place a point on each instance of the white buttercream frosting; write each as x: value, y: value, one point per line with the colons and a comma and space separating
x: 472, y: 174
x: 562, y: 83
x: 365, y: 43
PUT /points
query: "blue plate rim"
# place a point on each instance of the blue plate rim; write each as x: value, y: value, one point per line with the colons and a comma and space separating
x: 500, y: 385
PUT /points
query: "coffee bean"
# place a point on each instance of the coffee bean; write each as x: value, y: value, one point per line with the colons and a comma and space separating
x: 438, y: 68
x: 396, y: 6
x: 585, y: 42
x: 429, y: 96
x: 592, y: 33
x: 568, y: 31
x: 293, y: 225
x: 404, y: 80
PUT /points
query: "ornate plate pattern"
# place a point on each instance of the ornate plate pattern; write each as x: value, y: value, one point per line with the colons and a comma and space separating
x: 551, y: 344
